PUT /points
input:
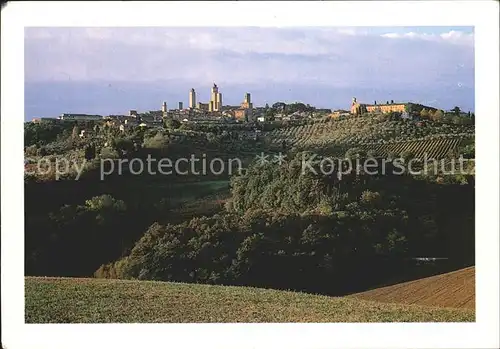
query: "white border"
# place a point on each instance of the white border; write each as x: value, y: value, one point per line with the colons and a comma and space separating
x: 481, y: 14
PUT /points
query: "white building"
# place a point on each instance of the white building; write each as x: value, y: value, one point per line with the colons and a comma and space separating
x: 67, y: 116
x: 406, y: 115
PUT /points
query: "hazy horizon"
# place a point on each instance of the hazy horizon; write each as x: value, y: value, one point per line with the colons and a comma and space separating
x: 111, y: 70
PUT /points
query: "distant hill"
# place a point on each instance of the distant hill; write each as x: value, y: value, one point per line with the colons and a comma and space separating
x: 455, y: 289
x: 66, y: 300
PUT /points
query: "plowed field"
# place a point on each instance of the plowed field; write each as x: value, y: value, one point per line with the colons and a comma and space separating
x: 455, y: 290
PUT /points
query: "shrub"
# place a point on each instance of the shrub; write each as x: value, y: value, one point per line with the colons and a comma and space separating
x: 42, y: 151
x: 31, y: 150
x: 109, y: 153
x: 158, y: 141
x: 370, y: 198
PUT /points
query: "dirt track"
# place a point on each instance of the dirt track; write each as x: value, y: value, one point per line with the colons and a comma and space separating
x: 455, y: 289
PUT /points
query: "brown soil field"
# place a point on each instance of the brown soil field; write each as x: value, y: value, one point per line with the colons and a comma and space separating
x: 453, y: 290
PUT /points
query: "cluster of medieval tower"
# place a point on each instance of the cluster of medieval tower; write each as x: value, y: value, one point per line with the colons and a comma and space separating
x: 215, y: 104
x: 245, y: 110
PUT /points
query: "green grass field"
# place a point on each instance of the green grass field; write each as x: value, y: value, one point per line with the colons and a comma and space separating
x: 67, y: 300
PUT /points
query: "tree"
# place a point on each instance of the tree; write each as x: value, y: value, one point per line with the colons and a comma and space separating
x: 105, y: 201
x: 172, y: 124
x: 371, y: 153
x: 123, y: 145
x: 158, y: 141
x: 370, y: 198
x: 424, y: 114
x: 31, y: 150
x: 45, y: 132
x: 279, y: 106
x: 283, y: 144
x: 42, y: 151
x: 457, y: 120
x: 456, y: 111
x: 406, y: 155
x: 438, y: 115
x: 394, y: 115
x: 90, y: 152
x: 269, y: 114
x: 75, y: 133
x: 468, y: 151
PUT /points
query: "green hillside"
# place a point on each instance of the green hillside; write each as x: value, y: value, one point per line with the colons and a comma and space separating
x: 65, y: 300
x: 274, y: 225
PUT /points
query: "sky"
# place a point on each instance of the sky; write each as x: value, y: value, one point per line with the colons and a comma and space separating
x: 111, y: 70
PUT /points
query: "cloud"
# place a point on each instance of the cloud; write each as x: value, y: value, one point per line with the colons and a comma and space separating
x: 385, y: 59
x: 453, y: 36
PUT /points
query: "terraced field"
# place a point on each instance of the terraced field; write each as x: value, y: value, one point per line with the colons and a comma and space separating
x: 455, y: 290
x: 369, y: 133
x: 435, y: 148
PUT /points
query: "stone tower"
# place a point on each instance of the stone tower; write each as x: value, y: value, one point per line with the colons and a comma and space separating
x: 215, y: 98
x: 164, y: 110
x: 247, y: 104
x: 192, y: 99
x: 355, y: 107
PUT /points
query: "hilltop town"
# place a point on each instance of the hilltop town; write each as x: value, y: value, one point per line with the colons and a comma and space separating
x: 215, y: 111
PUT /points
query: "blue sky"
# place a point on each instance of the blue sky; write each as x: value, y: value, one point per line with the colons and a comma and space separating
x: 111, y: 70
